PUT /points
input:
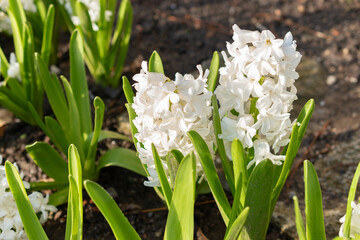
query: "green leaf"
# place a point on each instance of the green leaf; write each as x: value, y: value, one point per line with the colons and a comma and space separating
x: 214, y: 71
x: 79, y: 84
x: 129, y: 94
x: 155, y: 64
x: 299, y: 220
x: 17, y: 29
x: 304, y: 118
x: 60, y: 197
x: 54, y: 93
x: 228, y: 170
x: 16, y: 9
x: 258, y: 198
x: 165, y: 185
x: 57, y: 134
x: 210, y: 171
x: 48, y: 160
x: 315, y: 229
x: 89, y: 167
x: 238, y: 225
x: 47, y: 35
x: 120, y: 226
x: 39, y: 186
x: 237, y: 205
x: 121, y: 157
x: 239, y: 163
x: 29, y: 219
x: 177, y: 155
x: 75, y: 217
x: 73, y: 131
x: 105, y: 134
x: 180, y: 221
x: 132, y: 116
x: 351, y: 197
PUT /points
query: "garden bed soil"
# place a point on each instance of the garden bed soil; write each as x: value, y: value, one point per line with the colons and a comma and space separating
x: 185, y: 33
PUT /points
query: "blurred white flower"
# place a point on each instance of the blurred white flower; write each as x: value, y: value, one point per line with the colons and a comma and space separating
x: 93, y: 10
x: 14, y: 67
x: 28, y: 5
x: 11, y: 226
x: 166, y: 110
x: 355, y: 221
x: 258, y: 82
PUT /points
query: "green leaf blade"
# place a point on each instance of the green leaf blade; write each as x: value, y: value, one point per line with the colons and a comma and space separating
x: 120, y: 226
x: 29, y: 219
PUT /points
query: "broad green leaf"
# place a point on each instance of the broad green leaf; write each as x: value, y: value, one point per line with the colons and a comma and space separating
x: 7, y: 103
x: 48, y: 160
x: 29, y: 219
x: 39, y: 186
x: 89, y: 167
x: 177, y: 155
x: 238, y: 225
x: 105, y: 134
x: 54, y: 92
x: 289, y: 159
x: 74, y: 228
x: 79, y: 84
x: 315, y: 229
x: 214, y: 71
x: 73, y: 131
x: 299, y: 220
x: 60, y: 197
x: 47, y: 35
x: 17, y: 31
x: 165, y: 185
x: 237, y: 205
x: 129, y: 94
x: 120, y: 226
x: 210, y: 171
x: 180, y: 221
x: 18, y: 91
x: 351, y: 197
x: 228, y: 170
x: 27, y: 66
x: 57, y: 134
x: 258, y: 198
x: 155, y: 64
x: 121, y: 157
x: 239, y: 163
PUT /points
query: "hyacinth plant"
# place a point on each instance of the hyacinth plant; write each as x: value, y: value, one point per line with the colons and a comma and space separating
x: 73, y: 125
x: 314, y: 219
x: 180, y: 220
x: 172, y: 118
x: 105, y: 43
x: 20, y: 86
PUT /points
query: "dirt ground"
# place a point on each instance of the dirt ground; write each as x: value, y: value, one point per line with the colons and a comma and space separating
x: 185, y: 33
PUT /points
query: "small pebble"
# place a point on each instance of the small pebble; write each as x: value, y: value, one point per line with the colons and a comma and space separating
x: 330, y: 80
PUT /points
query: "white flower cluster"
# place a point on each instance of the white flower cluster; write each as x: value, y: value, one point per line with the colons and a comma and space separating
x: 11, y: 226
x: 28, y: 5
x: 93, y: 9
x: 14, y: 67
x: 166, y: 110
x: 256, y: 92
x: 355, y: 221
x: 5, y: 24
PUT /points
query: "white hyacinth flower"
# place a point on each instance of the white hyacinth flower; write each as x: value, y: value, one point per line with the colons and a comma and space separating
x: 258, y: 82
x: 14, y: 68
x: 11, y: 226
x: 355, y: 221
x: 166, y: 110
x: 93, y: 7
